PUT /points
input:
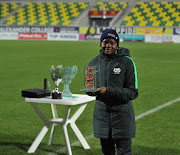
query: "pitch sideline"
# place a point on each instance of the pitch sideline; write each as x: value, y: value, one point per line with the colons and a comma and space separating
x: 76, y: 143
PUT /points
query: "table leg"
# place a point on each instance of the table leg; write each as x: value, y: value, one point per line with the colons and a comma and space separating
x: 54, y: 126
x: 44, y: 130
x: 75, y: 128
x: 53, y: 130
x: 66, y: 139
x: 64, y: 126
x: 41, y: 114
x: 78, y: 112
x: 38, y: 140
x: 79, y: 135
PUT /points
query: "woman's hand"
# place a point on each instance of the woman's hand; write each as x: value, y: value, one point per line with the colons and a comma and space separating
x: 102, y: 90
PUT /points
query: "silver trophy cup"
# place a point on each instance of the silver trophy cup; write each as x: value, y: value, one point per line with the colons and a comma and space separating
x: 57, y: 74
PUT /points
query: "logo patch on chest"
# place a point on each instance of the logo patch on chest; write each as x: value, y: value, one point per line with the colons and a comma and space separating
x: 117, y: 70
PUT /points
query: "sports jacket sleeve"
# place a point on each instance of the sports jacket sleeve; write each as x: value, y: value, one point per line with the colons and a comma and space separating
x: 129, y: 91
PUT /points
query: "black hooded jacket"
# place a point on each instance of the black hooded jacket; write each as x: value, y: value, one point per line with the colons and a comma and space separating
x: 114, y: 111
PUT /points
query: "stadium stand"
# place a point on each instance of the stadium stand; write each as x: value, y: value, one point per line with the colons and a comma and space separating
x: 69, y: 13
x: 7, y: 8
x: 154, y: 14
x: 103, y: 13
x: 46, y: 13
x: 109, y: 6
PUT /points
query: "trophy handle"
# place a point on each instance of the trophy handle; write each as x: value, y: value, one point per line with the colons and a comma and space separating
x: 74, y: 71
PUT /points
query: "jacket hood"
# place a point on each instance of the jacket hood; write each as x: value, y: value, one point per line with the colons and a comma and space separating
x: 123, y: 52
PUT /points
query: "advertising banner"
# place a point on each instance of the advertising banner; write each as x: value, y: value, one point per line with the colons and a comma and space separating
x: 127, y: 37
x: 102, y: 14
x: 32, y: 36
x: 96, y: 14
x: 27, y: 29
x: 149, y: 30
x: 111, y: 14
x: 159, y: 38
x: 41, y: 29
x: 153, y: 38
x: 176, y: 31
x: 94, y: 33
x: 154, y: 31
x: 167, y: 39
x: 66, y: 29
x: 63, y: 36
x: 140, y: 30
x: 8, y: 36
x: 168, y: 31
x: 176, y: 38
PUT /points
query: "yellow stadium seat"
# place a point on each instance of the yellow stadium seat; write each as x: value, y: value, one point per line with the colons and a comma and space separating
x: 127, y: 18
x: 146, y: 10
x: 153, y: 18
x: 11, y: 20
x: 152, y: 3
x: 140, y: 3
x: 176, y: 3
x: 143, y: 23
x: 134, y: 10
x: 140, y: 18
x: 158, y: 10
x: 169, y: 23
x: 177, y: 19
x: 130, y: 23
x: 167, y: 6
x: 156, y: 23
x: 143, y: 6
x: 175, y: 14
x: 94, y: 9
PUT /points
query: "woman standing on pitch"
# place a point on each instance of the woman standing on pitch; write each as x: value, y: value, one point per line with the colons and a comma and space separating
x: 114, y: 120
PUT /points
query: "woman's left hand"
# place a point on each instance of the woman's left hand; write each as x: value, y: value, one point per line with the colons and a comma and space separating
x: 102, y: 90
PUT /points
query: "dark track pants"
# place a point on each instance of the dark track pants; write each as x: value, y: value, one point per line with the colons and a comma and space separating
x: 123, y: 146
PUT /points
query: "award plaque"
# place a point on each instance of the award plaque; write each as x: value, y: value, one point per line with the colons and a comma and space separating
x: 91, y: 75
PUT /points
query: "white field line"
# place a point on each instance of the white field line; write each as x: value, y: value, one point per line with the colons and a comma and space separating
x: 156, y: 109
x: 77, y: 143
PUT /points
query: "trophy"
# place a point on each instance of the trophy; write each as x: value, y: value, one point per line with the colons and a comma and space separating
x: 91, y: 76
x: 69, y: 74
x: 57, y: 74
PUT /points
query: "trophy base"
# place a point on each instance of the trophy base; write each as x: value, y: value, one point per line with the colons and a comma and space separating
x: 91, y: 92
x: 66, y: 95
x: 56, y: 95
x: 88, y: 90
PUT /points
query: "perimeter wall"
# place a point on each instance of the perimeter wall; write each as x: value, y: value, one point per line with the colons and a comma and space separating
x: 143, y: 34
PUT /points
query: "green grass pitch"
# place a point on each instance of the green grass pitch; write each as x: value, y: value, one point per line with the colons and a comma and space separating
x: 24, y: 65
